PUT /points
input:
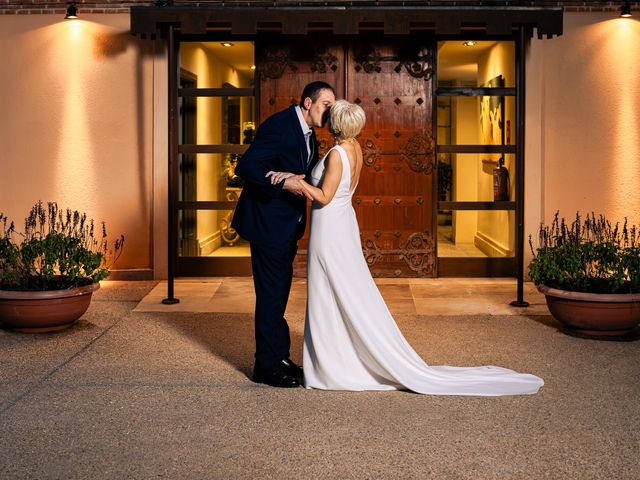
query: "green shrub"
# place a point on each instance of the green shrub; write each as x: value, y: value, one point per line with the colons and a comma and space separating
x: 56, y: 251
x: 589, y: 255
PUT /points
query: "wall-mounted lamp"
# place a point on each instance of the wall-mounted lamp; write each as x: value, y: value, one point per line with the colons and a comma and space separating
x: 625, y: 10
x: 72, y: 11
x: 253, y: 67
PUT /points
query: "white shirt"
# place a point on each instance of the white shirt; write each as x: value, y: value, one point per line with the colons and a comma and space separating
x: 305, y: 130
x: 307, y: 137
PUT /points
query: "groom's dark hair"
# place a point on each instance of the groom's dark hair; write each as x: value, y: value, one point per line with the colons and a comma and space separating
x: 312, y: 91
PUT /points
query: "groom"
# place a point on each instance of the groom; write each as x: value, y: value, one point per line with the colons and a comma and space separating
x: 273, y: 217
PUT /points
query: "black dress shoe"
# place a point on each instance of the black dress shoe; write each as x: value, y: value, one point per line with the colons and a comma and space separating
x: 291, y: 368
x: 276, y: 377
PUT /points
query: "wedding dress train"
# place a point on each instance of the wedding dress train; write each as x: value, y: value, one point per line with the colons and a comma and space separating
x: 351, y: 341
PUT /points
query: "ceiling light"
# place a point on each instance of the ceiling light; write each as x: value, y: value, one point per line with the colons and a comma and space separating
x: 469, y: 43
x: 226, y: 44
x: 72, y: 12
x: 625, y: 10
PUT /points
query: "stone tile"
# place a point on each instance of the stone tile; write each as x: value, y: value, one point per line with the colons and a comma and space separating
x: 182, y: 288
x: 298, y: 290
x: 297, y: 306
x: 231, y: 294
x: 450, y: 306
x: 402, y: 281
x: 395, y: 292
x: 193, y: 296
x: 232, y: 297
x: 398, y: 298
x: 434, y: 290
x: 476, y: 305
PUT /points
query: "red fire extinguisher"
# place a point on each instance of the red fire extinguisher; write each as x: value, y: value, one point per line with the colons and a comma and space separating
x: 500, y: 182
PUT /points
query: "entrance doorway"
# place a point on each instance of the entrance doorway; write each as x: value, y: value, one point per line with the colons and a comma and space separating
x: 440, y: 119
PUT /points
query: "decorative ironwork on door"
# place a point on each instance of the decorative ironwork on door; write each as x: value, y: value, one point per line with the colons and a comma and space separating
x: 391, y: 80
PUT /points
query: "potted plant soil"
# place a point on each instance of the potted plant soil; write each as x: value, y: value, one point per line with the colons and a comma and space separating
x: 589, y: 272
x: 49, y: 271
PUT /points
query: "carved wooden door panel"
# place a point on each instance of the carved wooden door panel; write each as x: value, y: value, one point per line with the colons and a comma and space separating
x: 284, y: 67
x: 391, y: 80
x: 394, y: 199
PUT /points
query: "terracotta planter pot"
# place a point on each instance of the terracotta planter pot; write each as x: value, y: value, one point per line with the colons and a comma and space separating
x: 46, y: 311
x: 594, y: 314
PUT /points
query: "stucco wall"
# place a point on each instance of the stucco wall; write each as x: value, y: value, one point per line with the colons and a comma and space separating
x: 84, y: 107
x: 583, y: 120
x: 76, y: 123
x: 495, y: 235
x: 465, y: 114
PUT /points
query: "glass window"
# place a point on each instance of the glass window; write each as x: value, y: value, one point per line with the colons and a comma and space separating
x: 476, y: 63
x: 208, y: 233
x: 476, y: 140
x: 215, y: 127
x: 477, y: 233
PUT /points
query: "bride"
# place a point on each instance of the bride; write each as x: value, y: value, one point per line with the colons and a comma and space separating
x: 351, y: 341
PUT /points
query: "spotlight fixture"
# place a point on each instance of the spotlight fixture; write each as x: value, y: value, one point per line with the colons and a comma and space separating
x: 72, y: 11
x: 469, y: 43
x: 625, y: 10
x: 226, y: 44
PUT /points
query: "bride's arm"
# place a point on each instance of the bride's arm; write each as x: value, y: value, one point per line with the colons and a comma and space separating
x: 330, y: 182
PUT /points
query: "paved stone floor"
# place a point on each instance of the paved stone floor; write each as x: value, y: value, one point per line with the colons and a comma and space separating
x: 404, y: 296
x: 140, y: 390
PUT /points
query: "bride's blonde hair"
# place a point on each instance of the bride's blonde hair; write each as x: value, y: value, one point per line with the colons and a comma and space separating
x: 346, y: 120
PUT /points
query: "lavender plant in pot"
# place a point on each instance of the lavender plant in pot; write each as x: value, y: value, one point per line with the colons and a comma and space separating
x: 49, y: 271
x: 589, y: 272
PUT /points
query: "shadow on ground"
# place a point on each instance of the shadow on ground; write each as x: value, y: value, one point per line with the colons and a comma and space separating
x: 229, y: 336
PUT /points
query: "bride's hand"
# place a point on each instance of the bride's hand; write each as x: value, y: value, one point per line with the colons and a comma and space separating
x: 307, y: 189
x: 277, y: 177
x: 305, y: 185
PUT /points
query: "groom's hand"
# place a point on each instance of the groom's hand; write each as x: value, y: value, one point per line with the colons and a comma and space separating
x: 292, y: 184
x: 277, y: 177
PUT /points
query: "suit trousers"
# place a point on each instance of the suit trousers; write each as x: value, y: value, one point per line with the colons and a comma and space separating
x: 272, y: 276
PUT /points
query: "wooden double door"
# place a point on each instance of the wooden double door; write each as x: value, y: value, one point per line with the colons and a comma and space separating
x: 391, y: 79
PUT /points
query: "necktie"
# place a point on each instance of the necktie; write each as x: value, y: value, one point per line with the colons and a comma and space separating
x: 307, y: 137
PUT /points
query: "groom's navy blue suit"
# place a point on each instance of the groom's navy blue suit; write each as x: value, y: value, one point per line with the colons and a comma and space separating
x: 273, y: 220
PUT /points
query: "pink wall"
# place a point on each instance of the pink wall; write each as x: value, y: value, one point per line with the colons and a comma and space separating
x: 76, y: 124
x: 583, y: 120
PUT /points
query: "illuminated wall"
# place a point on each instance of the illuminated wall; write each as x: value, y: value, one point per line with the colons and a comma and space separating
x: 84, y: 123
x: 495, y: 232
x: 212, y: 72
x: 76, y: 123
x: 464, y: 118
x: 196, y: 59
x: 583, y: 120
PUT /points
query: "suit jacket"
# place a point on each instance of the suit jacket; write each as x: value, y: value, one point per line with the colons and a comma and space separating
x: 266, y: 214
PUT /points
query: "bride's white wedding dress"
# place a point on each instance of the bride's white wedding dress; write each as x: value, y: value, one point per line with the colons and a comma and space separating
x: 351, y: 341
